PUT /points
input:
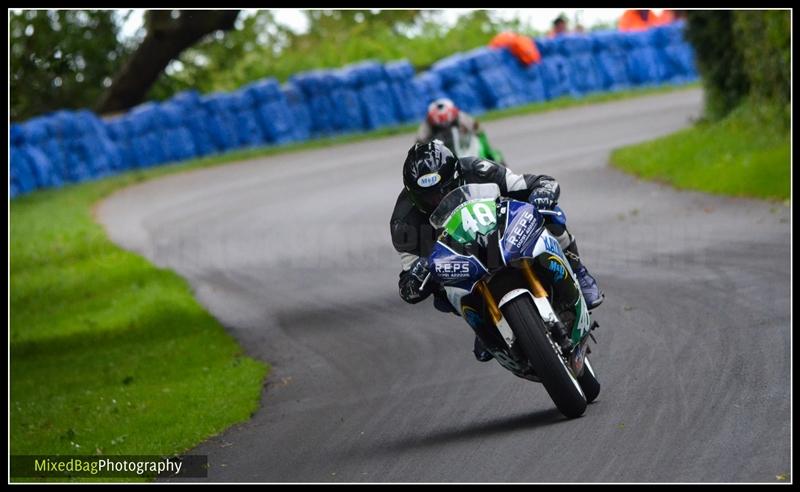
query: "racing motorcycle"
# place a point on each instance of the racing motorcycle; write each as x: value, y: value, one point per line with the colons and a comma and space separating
x: 469, y: 144
x: 507, y: 276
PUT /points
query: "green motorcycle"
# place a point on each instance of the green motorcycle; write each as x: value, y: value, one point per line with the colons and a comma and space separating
x: 469, y: 144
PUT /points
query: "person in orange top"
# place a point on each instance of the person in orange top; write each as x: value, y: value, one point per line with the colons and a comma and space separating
x: 637, y: 20
x: 521, y: 46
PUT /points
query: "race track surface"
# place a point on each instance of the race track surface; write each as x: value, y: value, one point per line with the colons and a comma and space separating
x: 292, y: 254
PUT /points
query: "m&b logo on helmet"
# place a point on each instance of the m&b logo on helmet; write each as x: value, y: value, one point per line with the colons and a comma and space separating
x: 429, y: 180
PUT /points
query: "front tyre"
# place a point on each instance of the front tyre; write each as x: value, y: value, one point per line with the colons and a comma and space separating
x: 544, y: 355
x: 588, y: 381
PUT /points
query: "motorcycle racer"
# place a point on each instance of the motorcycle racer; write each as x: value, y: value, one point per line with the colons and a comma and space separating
x: 443, y: 115
x: 430, y: 172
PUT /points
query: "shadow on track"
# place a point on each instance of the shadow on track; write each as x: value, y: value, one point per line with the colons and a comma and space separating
x: 476, y: 431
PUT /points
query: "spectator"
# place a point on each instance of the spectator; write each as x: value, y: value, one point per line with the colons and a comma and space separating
x: 669, y: 16
x: 521, y: 46
x: 559, y: 27
x: 637, y: 20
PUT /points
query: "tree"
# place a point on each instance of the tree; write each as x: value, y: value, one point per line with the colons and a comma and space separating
x: 718, y: 60
x: 169, y: 33
x: 61, y: 58
x: 742, y: 55
x: 211, y: 64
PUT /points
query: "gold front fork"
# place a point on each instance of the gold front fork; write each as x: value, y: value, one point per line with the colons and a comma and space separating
x: 536, y: 287
x: 494, y: 311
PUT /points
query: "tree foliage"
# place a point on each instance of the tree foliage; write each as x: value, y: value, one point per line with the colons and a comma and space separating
x: 61, y: 58
x: 764, y: 41
x: 68, y: 59
x: 260, y: 47
x: 744, y: 54
x: 169, y: 33
x: 725, y: 80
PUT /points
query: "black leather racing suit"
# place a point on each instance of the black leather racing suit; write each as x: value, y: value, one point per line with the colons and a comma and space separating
x: 414, y: 237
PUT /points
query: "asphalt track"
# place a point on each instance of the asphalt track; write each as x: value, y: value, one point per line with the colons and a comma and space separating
x: 292, y: 254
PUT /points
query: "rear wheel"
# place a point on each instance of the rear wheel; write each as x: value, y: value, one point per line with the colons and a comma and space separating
x: 545, y: 356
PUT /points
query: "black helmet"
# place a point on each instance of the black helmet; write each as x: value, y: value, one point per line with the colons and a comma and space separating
x: 430, y: 172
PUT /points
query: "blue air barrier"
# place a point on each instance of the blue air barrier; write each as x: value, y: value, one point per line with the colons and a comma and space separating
x: 196, y: 121
x: 21, y: 177
x: 495, y: 85
x: 30, y: 168
x: 556, y: 70
x: 429, y: 86
x: 176, y: 137
x: 459, y: 84
x: 72, y: 146
x: 525, y: 79
x: 318, y: 90
x: 120, y: 133
x: 53, y: 143
x: 674, y: 54
x: 272, y: 111
x: 247, y: 128
x: 221, y: 121
x: 611, y: 57
x: 644, y: 68
x: 319, y: 102
x: 577, y: 50
x: 147, y: 135
x: 301, y: 113
x: 38, y: 170
x: 347, y: 113
x: 374, y: 95
x: 406, y: 96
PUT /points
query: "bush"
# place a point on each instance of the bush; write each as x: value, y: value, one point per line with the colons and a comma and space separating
x: 764, y: 41
x: 744, y: 54
x: 718, y: 60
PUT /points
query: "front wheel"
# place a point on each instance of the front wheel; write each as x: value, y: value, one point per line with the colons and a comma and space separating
x: 589, y: 382
x: 545, y: 356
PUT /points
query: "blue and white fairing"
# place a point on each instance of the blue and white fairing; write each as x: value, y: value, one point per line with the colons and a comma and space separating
x: 453, y: 269
x: 456, y: 272
x: 524, y: 225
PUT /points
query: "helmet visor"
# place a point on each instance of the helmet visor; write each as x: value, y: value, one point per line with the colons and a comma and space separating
x: 427, y: 199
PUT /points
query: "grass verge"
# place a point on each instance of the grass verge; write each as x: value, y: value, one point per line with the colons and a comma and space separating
x: 111, y: 355
x: 747, y: 154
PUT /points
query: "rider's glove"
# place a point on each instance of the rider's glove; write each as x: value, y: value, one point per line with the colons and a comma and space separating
x: 411, y: 280
x: 545, y: 195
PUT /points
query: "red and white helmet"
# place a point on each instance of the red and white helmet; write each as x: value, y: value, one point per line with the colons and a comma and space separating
x: 442, y: 112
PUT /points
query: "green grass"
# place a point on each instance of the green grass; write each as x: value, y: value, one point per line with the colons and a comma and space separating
x: 747, y: 154
x: 111, y: 355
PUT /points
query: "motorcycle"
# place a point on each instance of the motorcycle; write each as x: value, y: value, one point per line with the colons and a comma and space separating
x: 469, y: 144
x: 507, y: 276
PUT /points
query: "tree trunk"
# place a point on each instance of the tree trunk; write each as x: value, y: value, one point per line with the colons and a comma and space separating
x: 166, y: 39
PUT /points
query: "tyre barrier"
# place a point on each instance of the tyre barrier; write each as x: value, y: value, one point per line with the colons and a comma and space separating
x: 63, y: 147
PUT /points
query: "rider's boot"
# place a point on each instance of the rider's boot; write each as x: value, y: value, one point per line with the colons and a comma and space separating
x: 591, y: 291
